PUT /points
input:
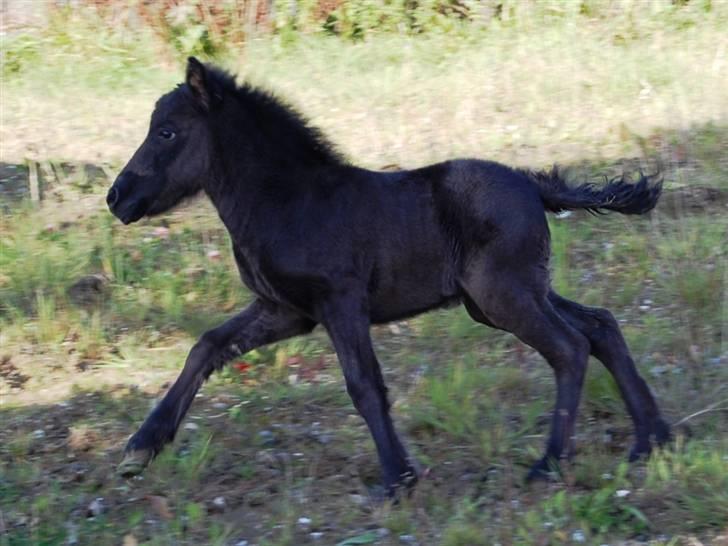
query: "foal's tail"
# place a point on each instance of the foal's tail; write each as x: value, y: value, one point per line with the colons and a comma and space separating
x: 617, y: 194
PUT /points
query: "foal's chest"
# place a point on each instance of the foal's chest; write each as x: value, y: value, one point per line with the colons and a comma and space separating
x: 265, y: 277
x: 253, y: 275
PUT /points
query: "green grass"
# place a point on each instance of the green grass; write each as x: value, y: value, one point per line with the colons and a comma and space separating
x: 276, y: 436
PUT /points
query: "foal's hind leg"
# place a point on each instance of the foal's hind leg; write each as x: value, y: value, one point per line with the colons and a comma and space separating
x: 499, y: 298
x: 608, y: 345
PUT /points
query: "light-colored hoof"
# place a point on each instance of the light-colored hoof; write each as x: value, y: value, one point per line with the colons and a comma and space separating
x: 134, y: 463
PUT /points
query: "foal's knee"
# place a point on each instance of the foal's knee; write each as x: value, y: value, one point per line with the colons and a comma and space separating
x: 206, y: 354
x: 204, y: 346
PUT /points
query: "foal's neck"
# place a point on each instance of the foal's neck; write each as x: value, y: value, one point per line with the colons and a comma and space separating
x: 264, y: 158
x: 252, y: 194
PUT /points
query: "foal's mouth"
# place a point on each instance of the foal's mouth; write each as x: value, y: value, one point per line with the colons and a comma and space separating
x: 131, y: 218
x: 129, y: 213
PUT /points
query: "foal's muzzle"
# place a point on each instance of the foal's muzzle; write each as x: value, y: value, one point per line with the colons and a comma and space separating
x: 125, y: 200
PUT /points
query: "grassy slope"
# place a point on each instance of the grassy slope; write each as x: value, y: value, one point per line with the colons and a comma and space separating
x: 473, y: 403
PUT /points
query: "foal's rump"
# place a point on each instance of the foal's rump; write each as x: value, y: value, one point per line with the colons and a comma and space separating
x: 488, y: 208
x: 485, y: 204
x: 495, y: 218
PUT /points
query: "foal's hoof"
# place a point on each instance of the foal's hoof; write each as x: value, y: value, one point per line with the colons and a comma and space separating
x: 643, y: 447
x: 662, y: 432
x: 134, y: 462
x: 547, y: 469
x: 404, y: 485
x: 639, y: 451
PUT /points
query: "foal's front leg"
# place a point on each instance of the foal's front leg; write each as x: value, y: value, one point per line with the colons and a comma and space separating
x: 348, y: 328
x: 259, y: 324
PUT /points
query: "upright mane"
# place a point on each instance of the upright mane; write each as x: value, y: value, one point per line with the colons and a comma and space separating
x: 291, y: 134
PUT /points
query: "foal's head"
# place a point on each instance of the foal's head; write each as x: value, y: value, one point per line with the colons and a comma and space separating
x: 174, y: 159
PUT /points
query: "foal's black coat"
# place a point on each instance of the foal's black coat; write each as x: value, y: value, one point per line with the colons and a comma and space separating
x: 320, y: 241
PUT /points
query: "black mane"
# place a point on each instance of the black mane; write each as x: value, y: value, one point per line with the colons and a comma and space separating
x: 290, y: 132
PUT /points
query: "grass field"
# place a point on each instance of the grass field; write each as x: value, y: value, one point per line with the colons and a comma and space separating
x: 96, y: 318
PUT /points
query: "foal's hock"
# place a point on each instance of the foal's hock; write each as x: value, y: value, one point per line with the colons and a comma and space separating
x: 318, y: 240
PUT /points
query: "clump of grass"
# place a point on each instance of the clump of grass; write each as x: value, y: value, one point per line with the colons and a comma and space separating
x: 594, y: 514
x: 34, y: 262
x: 189, y: 462
x: 694, y: 266
x: 466, y: 527
x: 397, y: 519
x: 691, y: 484
x: 453, y: 402
x: 464, y: 534
x: 466, y: 400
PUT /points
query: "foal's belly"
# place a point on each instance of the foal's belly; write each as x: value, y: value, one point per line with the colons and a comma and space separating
x: 383, y: 312
x: 422, y: 282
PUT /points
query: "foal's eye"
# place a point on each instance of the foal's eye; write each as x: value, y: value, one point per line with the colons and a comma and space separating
x: 166, y: 134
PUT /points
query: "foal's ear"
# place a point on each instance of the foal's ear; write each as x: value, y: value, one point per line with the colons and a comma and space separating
x: 198, y: 81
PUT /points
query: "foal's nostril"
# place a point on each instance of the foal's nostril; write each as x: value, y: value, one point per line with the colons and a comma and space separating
x: 112, y: 197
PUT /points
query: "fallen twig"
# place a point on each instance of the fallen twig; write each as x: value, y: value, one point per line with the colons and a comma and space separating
x: 709, y: 409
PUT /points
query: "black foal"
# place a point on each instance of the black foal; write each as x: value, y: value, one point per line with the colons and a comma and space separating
x: 320, y: 241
